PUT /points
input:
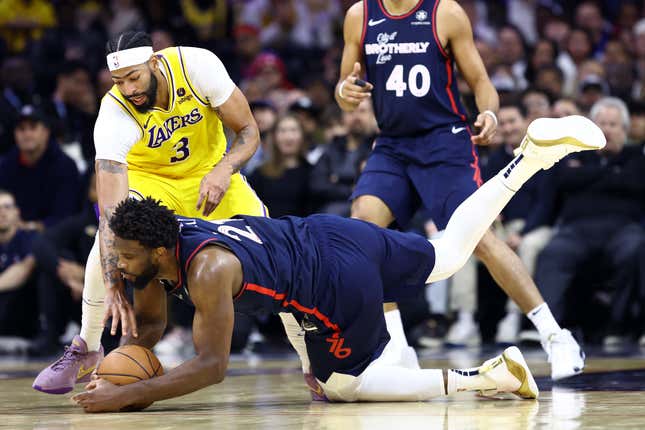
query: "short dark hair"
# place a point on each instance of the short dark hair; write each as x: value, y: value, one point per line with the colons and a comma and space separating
x: 146, y: 221
x: 515, y: 105
x: 127, y: 40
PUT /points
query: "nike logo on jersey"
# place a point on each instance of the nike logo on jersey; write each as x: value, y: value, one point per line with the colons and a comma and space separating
x: 372, y: 22
x: 456, y: 130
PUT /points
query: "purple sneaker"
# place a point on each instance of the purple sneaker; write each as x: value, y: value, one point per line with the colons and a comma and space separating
x: 316, y: 391
x: 76, y: 365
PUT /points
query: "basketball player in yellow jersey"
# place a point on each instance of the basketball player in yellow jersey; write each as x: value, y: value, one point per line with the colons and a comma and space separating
x: 159, y: 132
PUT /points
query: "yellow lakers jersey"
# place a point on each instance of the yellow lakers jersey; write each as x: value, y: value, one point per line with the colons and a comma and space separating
x: 185, y: 140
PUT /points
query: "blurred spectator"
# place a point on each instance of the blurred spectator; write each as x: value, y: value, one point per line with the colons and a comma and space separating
x: 637, y: 121
x: 512, y: 53
x: 544, y: 54
x: 18, y: 315
x: 536, y: 103
x: 522, y: 14
x: 592, y: 89
x: 43, y: 180
x: 565, y: 107
x: 619, y: 70
x: 551, y: 80
x: 207, y: 19
x: 308, y: 113
x: 603, y: 204
x: 557, y: 29
x: 282, y: 182
x: 124, y: 16
x: 482, y: 31
x: 247, y: 48
x: 22, y: 21
x: 103, y: 82
x: 17, y: 91
x: 265, y: 116
x: 525, y: 219
x: 72, y: 109
x: 161, y: 39
x: 578, y: 48
x: 335, y: 173
x: 303, y: 23
x: 61, y: 253
x: 589, y: 18
x: 639, y: 50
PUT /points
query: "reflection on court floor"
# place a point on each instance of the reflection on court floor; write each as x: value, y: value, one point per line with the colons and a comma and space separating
x: 269, y: 393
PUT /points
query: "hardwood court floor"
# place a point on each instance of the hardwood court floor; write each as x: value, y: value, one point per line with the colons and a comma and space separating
x: 269, y: 393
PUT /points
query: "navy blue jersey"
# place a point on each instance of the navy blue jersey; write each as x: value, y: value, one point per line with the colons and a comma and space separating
x: 278, y: 260
x: 415, y: 89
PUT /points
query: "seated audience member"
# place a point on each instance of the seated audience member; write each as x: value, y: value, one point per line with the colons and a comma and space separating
x: 18, y: 304
x: 43, y: 180
x: 335, y: 173
x: 602, y: 197
x: 61, y: 253
x: 282, y: 182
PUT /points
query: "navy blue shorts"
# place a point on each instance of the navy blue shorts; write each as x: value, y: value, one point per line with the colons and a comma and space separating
x: 436, y: 171
x: 364, y: 266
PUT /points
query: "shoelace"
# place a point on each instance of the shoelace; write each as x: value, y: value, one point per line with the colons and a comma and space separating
x: 68, y: 356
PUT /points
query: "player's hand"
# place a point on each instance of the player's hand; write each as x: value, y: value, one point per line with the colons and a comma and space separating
x: 213, y: 187
x: 119, y: 308
x: 101, y: 395
x: 353, y: 89
x: 487, y: 128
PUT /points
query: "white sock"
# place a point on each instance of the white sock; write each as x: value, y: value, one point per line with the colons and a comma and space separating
x: 93, y: 297
x: 518, y: 171
x: 393, y: 383
x: 395, y: 327
x: 473, y: 216
x: 543, y: 320
x: 467, y: 380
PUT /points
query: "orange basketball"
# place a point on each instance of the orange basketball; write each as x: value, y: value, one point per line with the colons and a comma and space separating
x: 128, y: 364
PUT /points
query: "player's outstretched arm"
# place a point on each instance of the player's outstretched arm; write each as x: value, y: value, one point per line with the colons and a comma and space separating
x: 454, y: 29
x: 351, y: 90
x: 236, y: 115
x: 112, y: 188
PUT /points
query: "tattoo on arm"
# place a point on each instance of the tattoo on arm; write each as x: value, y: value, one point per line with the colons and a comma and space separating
x: 110, y: 166
x: 109, y: 259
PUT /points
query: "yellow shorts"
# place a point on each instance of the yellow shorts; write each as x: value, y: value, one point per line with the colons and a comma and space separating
x: 181, y: 195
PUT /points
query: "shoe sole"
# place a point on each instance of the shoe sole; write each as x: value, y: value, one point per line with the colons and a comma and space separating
x: 518, y: 367
x: 62, y: 390
x: 581, y: 132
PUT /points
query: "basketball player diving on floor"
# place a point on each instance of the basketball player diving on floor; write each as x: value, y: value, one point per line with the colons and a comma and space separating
x: 331, y: 273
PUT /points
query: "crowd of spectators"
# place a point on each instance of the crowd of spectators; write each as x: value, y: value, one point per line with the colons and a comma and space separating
x: 578, y: 228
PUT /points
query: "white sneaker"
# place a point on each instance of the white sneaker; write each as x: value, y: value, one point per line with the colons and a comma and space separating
x: 174, y: 342
x: 564, y: 354
x: 551, y: 139
x: 508, y: 328
x: 508, y: 373
x: 464, y: 332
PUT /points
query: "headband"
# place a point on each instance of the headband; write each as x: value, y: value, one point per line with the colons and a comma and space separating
x: 128, y: 57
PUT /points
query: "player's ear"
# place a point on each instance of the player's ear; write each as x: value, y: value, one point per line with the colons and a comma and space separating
x: 153, y: 63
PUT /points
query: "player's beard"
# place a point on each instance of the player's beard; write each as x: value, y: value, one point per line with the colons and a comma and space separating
x: 144, y: 278
x: 150, y: 93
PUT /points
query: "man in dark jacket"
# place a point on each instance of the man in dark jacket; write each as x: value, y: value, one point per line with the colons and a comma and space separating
x: 44, y: 181
x: 603, y: 202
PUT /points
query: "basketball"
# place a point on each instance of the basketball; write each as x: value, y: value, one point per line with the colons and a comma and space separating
x: 128, y: 364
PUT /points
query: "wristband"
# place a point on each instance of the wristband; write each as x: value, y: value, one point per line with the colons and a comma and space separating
x: 340, y: 89
x: 491, y: 114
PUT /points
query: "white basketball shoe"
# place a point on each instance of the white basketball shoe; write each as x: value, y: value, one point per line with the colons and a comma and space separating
x: 551, y: 139
x: 565, y: 355
x: 509, y: 373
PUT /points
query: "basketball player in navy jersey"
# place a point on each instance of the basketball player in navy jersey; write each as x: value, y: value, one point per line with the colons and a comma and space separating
x: 333, y: 274
x: 425, y: 154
